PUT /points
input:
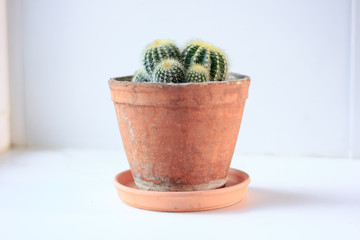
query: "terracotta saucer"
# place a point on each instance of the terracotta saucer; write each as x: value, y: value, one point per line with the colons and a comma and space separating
x: 233, y: 192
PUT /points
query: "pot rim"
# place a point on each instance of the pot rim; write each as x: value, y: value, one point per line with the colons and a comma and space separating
x: 231, y: 78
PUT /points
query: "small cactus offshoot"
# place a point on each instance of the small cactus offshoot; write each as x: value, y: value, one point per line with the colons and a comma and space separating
x: 197, y: 73
x: 158, y: 51
x: 199, y: 52
x: 141, y: 76
x: 169, y: 71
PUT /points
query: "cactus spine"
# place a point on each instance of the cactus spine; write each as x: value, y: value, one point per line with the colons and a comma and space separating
x: 141, y: 76
x: 199, y: 52
x: 158, y: 51
x: 197, y: 73
x: 169, y: 70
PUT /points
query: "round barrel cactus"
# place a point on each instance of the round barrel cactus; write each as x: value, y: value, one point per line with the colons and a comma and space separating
x: 157, y: 51
x: 197, y: 73
x: 211, y: 57
x: 169, y: 71
x: 141, y: 76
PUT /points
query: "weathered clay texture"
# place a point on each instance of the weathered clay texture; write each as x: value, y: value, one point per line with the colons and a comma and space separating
x: 179, y: 137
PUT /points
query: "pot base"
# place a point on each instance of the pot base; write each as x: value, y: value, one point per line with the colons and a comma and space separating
x: 233, y: 192
x: 150, y: 186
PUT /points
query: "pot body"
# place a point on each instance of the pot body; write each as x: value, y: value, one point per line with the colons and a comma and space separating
x: 179, y: 137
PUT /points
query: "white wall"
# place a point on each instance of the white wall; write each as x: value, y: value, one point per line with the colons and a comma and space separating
x: 296, y: 52
x: 355, y: 81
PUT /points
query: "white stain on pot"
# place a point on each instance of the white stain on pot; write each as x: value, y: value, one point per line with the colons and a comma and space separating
x: 166, y: 185
x: 130, y: 129
x: 134, y: 157
x: 149, y: 180
x: 129, y: 126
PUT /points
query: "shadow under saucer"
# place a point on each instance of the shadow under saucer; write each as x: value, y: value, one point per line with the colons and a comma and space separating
x: 259, y: 198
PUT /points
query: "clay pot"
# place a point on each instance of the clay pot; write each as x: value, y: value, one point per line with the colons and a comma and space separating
x: 179, y: 137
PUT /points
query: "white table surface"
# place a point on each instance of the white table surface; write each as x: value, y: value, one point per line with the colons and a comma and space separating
x: 68, y: 194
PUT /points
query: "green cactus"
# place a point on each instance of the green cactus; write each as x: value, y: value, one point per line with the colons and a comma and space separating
x: 169, y: 70
x: 207, y: 55
x: 197, y: 73
x: 141, y: 76
x: 158, y: 51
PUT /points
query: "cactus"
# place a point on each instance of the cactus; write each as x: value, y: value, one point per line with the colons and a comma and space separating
x: 197, y: 73
x: 169, y: 70
x: 207, y: 55
x: 158, y: 51
x: 141, y: 76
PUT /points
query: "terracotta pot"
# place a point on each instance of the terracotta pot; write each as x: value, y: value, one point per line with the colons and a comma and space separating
x: 179, y: 137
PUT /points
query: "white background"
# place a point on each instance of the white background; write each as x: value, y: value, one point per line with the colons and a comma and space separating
x: 301, y: 56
